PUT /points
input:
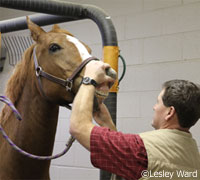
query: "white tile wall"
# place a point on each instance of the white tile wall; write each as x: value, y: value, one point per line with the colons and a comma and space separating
x: 160, y: 40
x: 86, y: 26
x: 163, y: 48
x: 73, y: 173
x: 132, y: 51
x: 181, y: 70
x: 79, y: 173
x: 190, y: 1
x: 181, y: 19
x: 125, y: 125
x: 131, y: 101
x: 147, y: 101
x: 158, y: 4
x: 144, y: 25
x: 191, y: 46
x: 119, y: 7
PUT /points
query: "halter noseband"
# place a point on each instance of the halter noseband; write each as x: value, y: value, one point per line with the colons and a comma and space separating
x: 68, y: 83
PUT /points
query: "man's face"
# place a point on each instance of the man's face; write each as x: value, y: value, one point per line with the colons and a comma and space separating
x: 160, y: 112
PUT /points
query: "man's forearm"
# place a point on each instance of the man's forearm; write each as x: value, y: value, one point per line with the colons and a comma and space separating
x: 81, y: 118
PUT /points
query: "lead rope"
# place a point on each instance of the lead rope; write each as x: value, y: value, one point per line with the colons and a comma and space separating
x: 18, y: 116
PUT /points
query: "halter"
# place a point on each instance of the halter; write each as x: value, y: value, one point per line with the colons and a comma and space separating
x: 68, y: 83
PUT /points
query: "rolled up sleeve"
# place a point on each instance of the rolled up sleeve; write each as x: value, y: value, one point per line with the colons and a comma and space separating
x: 119, y: 153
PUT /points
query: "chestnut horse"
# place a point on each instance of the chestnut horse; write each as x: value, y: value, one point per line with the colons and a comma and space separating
x: 59, y: 54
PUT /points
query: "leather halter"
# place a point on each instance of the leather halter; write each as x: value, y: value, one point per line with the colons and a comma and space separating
x: 68, y: 83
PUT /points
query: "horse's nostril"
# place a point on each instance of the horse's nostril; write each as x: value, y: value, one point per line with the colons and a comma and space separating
x: 111, y: 72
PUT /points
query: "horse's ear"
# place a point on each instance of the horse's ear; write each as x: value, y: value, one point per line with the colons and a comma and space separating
x: 36, y: 31
x: 55, y: 27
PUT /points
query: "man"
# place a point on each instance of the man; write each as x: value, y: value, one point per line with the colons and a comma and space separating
x: 170, y: 152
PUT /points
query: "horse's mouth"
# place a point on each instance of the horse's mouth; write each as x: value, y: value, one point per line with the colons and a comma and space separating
x: 101, y: 94
x: 102, y: 90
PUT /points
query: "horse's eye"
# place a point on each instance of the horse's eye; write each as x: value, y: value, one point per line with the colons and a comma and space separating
x: 54, y: 47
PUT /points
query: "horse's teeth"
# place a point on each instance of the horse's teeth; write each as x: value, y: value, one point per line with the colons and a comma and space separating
x: 101, y: 93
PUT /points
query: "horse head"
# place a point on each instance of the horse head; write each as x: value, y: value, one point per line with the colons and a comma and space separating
x: 58, y: 53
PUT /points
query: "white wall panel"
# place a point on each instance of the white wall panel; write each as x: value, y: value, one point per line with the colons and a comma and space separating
x: 163, y: 48
x: 144, y: 25
x: 158, y: 4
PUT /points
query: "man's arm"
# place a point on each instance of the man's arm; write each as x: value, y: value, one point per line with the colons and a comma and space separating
x: 81, y: 117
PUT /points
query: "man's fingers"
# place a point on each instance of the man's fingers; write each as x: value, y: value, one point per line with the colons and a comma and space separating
x: 100, y: 72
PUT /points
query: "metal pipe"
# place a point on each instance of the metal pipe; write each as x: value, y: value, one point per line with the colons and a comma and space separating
x: 70, y: 10
x: 19, y: 23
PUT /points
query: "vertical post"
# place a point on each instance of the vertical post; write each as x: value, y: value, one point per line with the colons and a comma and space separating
x: 110, y: 56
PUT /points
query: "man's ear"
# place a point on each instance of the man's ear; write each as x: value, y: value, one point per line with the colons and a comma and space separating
x: 171, y: 113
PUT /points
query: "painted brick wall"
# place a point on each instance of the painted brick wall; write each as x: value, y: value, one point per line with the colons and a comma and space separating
x: 160, y: 40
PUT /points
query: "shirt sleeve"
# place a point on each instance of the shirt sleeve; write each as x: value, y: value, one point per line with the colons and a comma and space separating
x: 121, y: 154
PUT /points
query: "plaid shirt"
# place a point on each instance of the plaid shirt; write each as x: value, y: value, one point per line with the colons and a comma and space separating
x: 121, y: 154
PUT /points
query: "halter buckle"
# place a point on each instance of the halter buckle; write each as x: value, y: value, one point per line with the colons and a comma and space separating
x: 69, y: 84
x: 38, y: 71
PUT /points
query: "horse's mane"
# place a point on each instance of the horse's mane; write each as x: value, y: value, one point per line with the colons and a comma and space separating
x: 15, y: 85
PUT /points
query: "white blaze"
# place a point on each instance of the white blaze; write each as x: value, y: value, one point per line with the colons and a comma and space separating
x: 81, y: 48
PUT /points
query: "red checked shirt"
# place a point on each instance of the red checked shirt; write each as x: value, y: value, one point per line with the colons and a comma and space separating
x: 121, y: 154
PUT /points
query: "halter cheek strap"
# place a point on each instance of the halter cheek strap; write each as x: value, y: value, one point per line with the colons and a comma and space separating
x: 68, y: 83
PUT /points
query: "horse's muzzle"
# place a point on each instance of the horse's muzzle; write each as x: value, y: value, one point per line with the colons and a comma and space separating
x: 102, y: 90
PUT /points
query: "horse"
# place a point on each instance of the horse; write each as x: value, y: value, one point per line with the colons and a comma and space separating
x: 37, y: 98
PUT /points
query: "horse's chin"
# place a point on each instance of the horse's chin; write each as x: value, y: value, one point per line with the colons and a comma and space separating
x: 101, y: 93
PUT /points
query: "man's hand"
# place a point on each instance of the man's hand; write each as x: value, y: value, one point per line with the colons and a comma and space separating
x: 97, y: 71
x: 103, y: 118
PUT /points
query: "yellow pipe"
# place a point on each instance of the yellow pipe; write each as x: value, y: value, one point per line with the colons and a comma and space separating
x: 110, y: 56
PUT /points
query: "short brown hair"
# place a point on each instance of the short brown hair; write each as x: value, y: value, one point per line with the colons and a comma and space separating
x: 184, y: 96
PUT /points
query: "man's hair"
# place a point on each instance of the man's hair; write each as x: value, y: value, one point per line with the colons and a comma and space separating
x: 184, y: 96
